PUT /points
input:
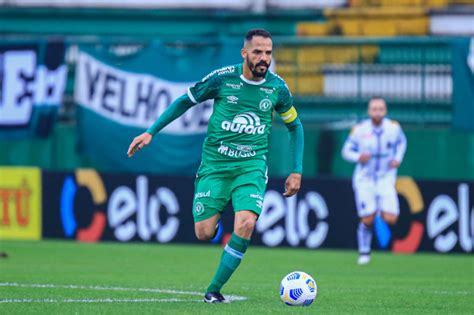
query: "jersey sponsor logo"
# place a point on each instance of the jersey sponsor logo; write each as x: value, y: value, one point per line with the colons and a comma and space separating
x: 232, y: 99
x: 202, y: 194
x: 265, y: 104
x: 247, y: 122
x: 267, y: 90
x: 221, y: 71
x: 234, y: 86
x: 243, y: 147
x: 235, y: 153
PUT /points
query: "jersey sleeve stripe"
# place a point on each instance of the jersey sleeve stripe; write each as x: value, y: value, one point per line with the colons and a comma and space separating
x: 289, y: 116
x: 191, y: 97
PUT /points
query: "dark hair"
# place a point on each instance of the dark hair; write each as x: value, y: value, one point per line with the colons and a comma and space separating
x: 257, y: 32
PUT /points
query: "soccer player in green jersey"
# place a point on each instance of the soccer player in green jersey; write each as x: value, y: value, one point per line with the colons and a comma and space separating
x: 233, y: 166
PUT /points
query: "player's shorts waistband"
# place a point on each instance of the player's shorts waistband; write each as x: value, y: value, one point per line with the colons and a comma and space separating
x: 232, y: 166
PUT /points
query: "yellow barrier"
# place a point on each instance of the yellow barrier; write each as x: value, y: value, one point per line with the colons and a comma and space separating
x: 20, y: 203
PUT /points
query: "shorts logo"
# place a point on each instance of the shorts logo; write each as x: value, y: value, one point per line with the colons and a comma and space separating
x: 247, y: 122
x: 265, y: 104
x: 198, y: 208
x: 202, y: 194
x: 259, y: 201
x: 256, y: 196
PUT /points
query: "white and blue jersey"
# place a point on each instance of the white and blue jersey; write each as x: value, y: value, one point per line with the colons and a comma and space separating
x: 374, y: 181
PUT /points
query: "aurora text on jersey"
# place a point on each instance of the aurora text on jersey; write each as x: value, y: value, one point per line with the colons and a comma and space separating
x: 240, y: 124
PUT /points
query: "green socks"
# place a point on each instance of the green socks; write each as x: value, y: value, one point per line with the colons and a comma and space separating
x: 230, y: 260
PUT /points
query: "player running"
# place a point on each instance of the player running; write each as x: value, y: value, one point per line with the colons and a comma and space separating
x: 233, y: 166
x: 377, y: 145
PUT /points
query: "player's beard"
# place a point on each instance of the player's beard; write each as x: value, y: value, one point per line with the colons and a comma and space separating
x: 253, y: 68
x: 376, y: 121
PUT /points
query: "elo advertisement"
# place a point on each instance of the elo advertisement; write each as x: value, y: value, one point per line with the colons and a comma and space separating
x: 88, y: 206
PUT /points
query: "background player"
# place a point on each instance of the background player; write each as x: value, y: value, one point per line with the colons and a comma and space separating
x: 377, y: 145
x: 233, y: 163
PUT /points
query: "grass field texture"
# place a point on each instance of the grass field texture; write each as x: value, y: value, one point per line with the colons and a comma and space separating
x: 59, y: 277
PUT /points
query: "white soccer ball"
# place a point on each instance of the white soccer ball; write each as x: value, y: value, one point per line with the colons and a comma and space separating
x: 298, y: 288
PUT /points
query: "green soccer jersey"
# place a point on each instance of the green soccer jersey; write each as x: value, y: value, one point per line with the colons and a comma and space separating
x: 240, y: 124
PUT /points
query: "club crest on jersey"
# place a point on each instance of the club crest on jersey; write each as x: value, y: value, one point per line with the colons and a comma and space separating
x: 265, y: 104
x: 247, y: 122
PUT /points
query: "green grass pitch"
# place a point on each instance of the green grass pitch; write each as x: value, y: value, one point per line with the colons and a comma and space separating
x: 59, y: 277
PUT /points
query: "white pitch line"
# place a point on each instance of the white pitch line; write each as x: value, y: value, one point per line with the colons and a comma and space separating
x: 415, y: 291
x: 103, y: 300
x: 104, y: 288
x: 95, y: 287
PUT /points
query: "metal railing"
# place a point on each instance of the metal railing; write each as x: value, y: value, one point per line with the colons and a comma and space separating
x: 333, y: 78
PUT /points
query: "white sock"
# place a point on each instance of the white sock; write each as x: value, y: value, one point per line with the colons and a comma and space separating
x: 364, y: 238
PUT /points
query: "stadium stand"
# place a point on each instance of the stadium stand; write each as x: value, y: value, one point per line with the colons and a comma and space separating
x: 412, y: 75
x: 334, y: 55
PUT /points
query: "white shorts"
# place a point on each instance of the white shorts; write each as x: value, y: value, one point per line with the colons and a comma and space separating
x: 372, y: 197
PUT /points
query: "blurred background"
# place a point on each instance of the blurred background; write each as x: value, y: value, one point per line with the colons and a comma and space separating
x: 80, y: 79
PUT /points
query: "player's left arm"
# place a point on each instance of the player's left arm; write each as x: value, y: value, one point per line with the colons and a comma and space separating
x: 400, y: 146
x: 289, y: 115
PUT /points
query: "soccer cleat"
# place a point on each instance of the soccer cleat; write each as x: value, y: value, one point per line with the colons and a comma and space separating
x: 363, y: 259
x: 214, y: 297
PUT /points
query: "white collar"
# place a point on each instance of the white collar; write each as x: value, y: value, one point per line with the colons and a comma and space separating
x: 250, y: 81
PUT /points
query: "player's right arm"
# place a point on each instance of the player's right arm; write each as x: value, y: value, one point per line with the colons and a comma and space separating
x: 351, y: 149
x: 205, y: 89
x: 176, y: 109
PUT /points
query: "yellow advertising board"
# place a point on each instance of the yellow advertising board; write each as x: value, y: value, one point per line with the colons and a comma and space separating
x: 20, y: 203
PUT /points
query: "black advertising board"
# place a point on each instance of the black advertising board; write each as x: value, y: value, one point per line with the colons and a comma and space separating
x: 89, y: 206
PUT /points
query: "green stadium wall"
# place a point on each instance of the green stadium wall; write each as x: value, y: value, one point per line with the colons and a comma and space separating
x: 431, y: 153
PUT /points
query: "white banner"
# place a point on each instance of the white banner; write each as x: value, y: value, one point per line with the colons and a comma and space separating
x: 25, y: 84
x: 134, y: 99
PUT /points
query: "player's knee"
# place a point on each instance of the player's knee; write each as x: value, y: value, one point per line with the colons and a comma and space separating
x: 390, y: 218
x: 246, y: 225
x: 204, y: 234
x: 368, y: 220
